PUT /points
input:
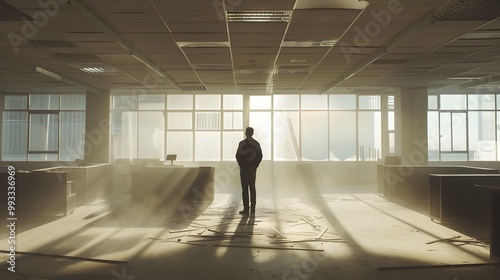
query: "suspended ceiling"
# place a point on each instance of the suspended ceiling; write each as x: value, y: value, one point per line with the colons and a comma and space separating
x: 311, y: 46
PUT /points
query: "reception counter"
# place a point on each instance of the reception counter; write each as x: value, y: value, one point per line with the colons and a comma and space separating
x: 39, y: 193
x: 89, y: 181
x: 163, y: 185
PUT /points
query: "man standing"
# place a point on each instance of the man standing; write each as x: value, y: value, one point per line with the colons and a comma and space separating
x: 249, y: 156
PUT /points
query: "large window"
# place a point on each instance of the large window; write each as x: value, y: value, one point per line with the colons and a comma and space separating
x: 463, y: 127
x: 204, y: 127
x: 318, y: 127
x: 43, y: 127
x: 208, y: 127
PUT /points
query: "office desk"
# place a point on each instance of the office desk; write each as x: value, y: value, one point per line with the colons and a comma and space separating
x: 495, y: 220
x: 410, y: 182
x: 456, y: 197
x: 39, y: 193
x: 91, y: 181
x: 163, y: 185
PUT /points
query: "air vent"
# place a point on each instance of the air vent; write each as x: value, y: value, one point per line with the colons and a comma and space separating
x: 252, y: 87
x: 9, y: 12
x: 75, y: 56
x: 254, y: 71
x: 128, y: 84
x: 50, y: 44
x: 258, y: 16
x: 192, y: 87
x: 469, y: 10
x: 281, y: 70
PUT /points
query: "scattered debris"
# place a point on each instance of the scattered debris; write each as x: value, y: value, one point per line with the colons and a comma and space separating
x: 444, y: 239
x: 278, y: 233
x: 310, y: 223
x: 321, y: 234
x: 270, y: 247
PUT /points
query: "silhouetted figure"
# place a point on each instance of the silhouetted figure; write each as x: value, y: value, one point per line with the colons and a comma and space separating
x: 249, y: 156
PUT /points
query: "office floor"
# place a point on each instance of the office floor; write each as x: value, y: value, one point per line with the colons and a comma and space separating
x: 329, y: 236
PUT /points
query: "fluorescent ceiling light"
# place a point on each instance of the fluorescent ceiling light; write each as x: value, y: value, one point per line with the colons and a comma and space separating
x: 280, y: 70
x: 203, y: 44
x: 481, y: 82
x: 464, y: 78
x: 48, y: 73
x: 298, y: 60
x: 98, y: 70
x: 65, y: 79
x: 258, y: 16
x: 308, y: 44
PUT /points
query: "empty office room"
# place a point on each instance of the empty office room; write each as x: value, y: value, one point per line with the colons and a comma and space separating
x: 250, y: 139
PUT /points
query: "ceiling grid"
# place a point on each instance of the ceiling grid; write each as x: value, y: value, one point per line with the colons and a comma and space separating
x: 249, y: 47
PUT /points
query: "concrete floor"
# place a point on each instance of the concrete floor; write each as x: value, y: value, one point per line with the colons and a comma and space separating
x: 328, y: 236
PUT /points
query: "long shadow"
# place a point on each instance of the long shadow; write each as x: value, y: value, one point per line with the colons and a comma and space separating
x: 134, y: 214
x: 28, y: 222
x: 83, y: 245
x: 477, y: 227
x: 314, y: 198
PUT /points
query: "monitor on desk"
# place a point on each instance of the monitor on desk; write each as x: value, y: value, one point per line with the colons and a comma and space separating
x: 171, y: 157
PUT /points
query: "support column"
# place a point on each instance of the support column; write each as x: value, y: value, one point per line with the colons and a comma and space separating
x: 414, y: 126
x: 246, y: 111
x: 97, y: 130
x: 2, y: 108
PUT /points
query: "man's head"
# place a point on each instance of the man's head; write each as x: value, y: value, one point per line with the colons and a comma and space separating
x: 249, y: 132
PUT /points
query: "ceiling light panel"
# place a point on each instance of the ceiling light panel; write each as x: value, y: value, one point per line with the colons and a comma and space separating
x: 99, y: 70
x: 258, y: 16
x: 308, y: 44
x: 203, y: 44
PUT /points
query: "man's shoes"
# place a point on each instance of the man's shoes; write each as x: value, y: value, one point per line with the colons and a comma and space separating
x: 244, y: 212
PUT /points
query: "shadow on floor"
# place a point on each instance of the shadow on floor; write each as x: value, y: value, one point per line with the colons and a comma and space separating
x: 133, y: 214
x: 29, y: 222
